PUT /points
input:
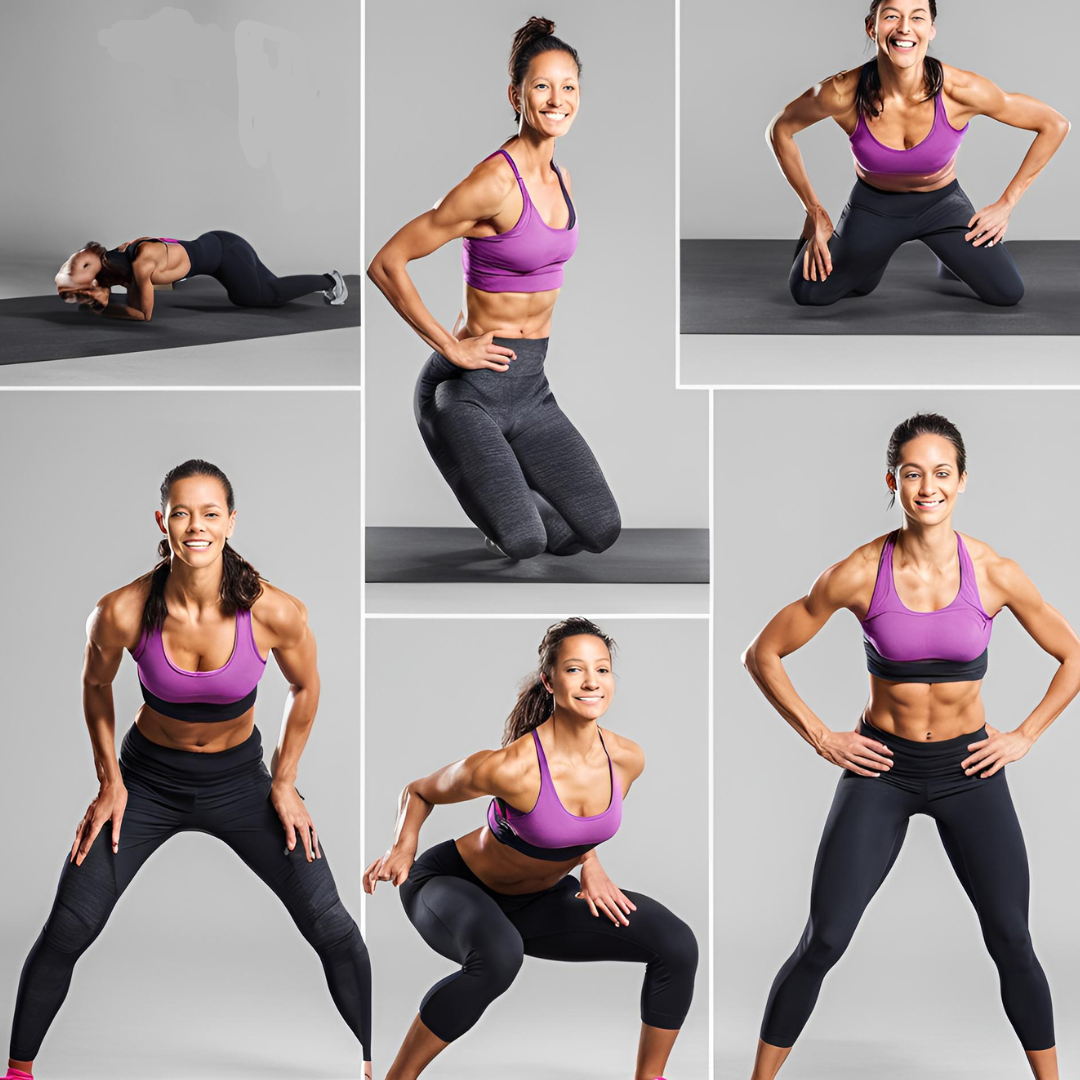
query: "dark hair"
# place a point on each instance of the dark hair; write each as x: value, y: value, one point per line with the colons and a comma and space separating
x: 109, y: 275
x: 535, y: 37
x: 240, y: 583
x: 534, y: 702
x: 868, y: 94
x: 924, y: 424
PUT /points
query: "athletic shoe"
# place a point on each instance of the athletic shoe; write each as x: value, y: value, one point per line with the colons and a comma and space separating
x: 339, y: 293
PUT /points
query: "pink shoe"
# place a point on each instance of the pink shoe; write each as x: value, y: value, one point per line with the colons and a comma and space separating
x: 16, y: 1074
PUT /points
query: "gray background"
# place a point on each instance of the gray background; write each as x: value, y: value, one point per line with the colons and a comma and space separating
x: 612, y: 350
x: 580, y: 1021
x: 916, y: 993
x: 200, y: 971
x: 131, y: 117
x: 741, y: 63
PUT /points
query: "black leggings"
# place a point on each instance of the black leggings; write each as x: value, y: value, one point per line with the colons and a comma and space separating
x: 488, y: 934
x: 863, y: 835
x: 169, y: 791
x: 232, y: 261
x: 875, y: 223
x: 520, y: 469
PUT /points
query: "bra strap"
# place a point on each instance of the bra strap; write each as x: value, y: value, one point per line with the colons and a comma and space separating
x: 506, y: 154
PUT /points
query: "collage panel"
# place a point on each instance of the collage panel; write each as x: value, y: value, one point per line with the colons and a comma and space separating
x: 569, y: 468
x: 200, y: 970
x: 233, y: 127
x: 916, y: 985
x: 906, y: 138
x: 483, y: 902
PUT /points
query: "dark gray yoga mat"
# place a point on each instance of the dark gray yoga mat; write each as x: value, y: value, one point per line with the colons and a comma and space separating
x: 740, y: 287
x: 195, y: 312
x: 639, y: 556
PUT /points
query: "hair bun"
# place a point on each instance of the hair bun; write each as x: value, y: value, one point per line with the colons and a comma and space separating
x: 537, y: 26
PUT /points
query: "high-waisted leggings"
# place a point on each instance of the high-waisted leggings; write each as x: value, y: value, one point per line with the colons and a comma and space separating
x: 521, y: 471
x: 875, y: 223
x: 488, y: 934
x: 169, y: 791
x: 232, y: 261
x: 863, y: 834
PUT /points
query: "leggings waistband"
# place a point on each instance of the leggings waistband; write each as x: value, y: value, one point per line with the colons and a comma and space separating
x: 138, y: 752
x: 529, y: 353
x: 929, y: 749
x: 911, y: 196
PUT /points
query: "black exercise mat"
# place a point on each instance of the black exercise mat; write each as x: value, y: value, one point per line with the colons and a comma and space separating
x: 740, y: 287
x: 195, y: 312
x: 639, y: 556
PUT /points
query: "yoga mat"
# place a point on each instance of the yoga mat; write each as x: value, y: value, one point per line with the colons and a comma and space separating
x: 195, y: 312
x: 661, y: 556
x: 740, y: 287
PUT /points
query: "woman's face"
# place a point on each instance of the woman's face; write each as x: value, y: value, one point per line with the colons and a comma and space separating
x: 79, y: 272
x: 928, y: 480
x: 582, y: 682
x: 903, y: 30
x: 548, y: 99
x: 196, y: 520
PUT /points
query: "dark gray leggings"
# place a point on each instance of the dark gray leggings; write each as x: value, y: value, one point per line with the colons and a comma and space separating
x: 874, y: 225
x: 520, y: 469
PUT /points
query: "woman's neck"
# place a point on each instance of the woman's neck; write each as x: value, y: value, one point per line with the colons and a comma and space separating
x: 574, y: 736
x: 533, y: 150
x: 194, y: 589
x: 908, y: 84
x: 928, y: 545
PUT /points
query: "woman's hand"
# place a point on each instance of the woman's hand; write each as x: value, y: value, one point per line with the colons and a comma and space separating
x: 110, y: 804
x: 996, y: 751
x: 478, y: 353
x: 990, y: 224
x: 394, y: 867
x: 818, y: 229
x: 602, y: 894
x: 297, y: 821
x: 856, y: 752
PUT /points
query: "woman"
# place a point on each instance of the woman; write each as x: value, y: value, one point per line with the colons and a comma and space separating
x: 906, y: 115
x: 88, y: 277
x: 199, y: 627
x: 521, y: 471
x: 926, y: 598
x: 505, y: 891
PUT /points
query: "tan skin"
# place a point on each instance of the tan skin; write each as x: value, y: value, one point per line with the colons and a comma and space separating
x: 582, y: 685
x: 155, y: 263
x: 927, y: 576
x: 486, y: 203
x: 905, y: 121
x: 197, y: 636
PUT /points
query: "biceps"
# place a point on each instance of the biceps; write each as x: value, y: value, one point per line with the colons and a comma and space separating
x: 100, y: 665
x: 793, y: 627
x: 425, y: 234
x: 1018, y: 110
x: 800, y: 114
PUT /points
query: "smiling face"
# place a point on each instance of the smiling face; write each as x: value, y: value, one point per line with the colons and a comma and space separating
x: 548, y: 98
x: 903, y: 30
x: 79, y: 272
x: 582, y: 681
x: 928, y: 479
x: 197, y: 520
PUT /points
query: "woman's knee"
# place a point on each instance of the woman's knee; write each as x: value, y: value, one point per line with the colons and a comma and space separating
x: 495, y: 962
x: 1006, y: 293
x: 812, y: 293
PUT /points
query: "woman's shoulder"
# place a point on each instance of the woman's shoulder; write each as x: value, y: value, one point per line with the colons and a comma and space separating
x: 278, y: 610
x: 624, y: 752
x: 837, y: 93
x: 983, y: 554
x: 117, y: 616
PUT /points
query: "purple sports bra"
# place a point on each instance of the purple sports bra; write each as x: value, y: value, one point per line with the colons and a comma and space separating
x: 933, y: 155
x: 549, y: 831
x: 948, y: 645
x: 201, y: 696
x: 529, y: 257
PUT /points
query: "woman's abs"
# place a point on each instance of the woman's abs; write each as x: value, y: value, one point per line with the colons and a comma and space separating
x: 903, y: 182
x: 509, y: 315
x: 925, y: 712
x: 202, y: 738
x: 507, y: 871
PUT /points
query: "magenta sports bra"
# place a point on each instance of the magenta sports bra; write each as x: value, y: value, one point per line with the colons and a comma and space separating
x: 948, y: 645
x: 549, y: 831
x: 201, y: 696
x: 935, y: 153
x: 529, y: 257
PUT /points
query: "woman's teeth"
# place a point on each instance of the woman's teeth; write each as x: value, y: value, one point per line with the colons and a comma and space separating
x: 903, y: 44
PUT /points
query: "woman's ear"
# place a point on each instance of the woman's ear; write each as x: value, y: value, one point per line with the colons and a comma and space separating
x: 160, y: 519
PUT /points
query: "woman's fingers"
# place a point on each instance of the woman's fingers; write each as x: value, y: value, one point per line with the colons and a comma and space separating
x: 999, y: 764
x: 315, y: 841
x: 290, y: 836
x: 592, y: 906
x: 117, y: 818
x: 304, y: 828
x: 614, y: 901
x: 602, y: 905
x: 854, y: 767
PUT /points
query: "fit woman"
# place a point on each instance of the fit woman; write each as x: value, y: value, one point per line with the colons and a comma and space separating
x: 906, y: 115
x: 88, y: 277
x: 521, y: 471
x: 199, y: 627
x: 505, y: 890
x: 926, y: 598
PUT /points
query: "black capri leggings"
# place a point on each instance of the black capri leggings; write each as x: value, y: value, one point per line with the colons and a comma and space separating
x: 169, y: 791
x: 875, y: 223
x: 232, y: 261
x: 862, y: 838
x: 521, y: 471
x: 488, y: 934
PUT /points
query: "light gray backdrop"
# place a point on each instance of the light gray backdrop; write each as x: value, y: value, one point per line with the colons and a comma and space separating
x: 133, y: 117
x: 742, y: 63
x: 200, y: 971
x: 440, y: 74
x: 800, y: 484
x: 440, y: 689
